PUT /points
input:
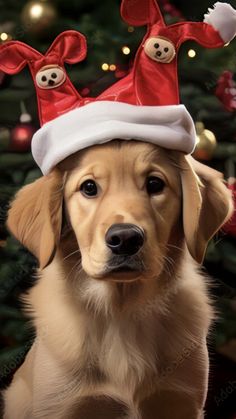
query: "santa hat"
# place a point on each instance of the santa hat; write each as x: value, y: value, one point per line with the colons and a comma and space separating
x: 142, y: 106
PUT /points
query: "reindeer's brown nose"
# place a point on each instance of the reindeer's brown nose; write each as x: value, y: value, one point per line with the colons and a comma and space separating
x: 124, y: 239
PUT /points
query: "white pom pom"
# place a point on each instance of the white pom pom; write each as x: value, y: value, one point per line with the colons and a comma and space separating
x: 223, y: 19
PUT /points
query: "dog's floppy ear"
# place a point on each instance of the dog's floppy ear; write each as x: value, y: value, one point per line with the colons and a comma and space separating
x: 35, y: 216
x: 207, y: 205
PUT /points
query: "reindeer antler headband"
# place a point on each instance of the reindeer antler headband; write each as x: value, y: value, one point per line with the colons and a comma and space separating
x: 55, y: 92
x: 154, y: 77
x: 142, y: 106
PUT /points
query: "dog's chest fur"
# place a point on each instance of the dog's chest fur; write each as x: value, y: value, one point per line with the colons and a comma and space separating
x: 123, y: 353
x: 117, y: 341
x: 116, y: 355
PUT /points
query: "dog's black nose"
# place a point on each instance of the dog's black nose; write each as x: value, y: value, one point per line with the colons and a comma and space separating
x: 124, y: 239
x: 158, y: 53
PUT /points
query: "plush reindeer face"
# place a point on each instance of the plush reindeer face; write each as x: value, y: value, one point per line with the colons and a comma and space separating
x: 160, y: 49
x: 50, y: 76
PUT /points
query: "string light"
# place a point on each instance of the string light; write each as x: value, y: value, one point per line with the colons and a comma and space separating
x: 4, y: 36
x: 192, y: 53
x: 105, y: 67
x: 126, y: 50
x: 112, y: 67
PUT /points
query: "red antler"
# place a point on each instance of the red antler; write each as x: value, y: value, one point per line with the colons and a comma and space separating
x: 15, y: 55
x: 141, y: 12
x: 70, y: 46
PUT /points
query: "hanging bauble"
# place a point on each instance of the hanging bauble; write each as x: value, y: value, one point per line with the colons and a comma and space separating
x: 38, y: 16
x: 171, y: 10
x: 85, y: 91
x: 22, y: 134
x: 121, y: 71
x: 21, y: 137
x: 206, y: 143
x: 226, y: 91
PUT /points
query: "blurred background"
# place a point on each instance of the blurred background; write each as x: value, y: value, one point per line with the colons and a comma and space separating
x: 208, y: 89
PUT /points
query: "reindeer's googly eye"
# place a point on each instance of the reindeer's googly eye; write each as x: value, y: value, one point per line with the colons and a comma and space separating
x: 50, y: 77
x: 160, y: 49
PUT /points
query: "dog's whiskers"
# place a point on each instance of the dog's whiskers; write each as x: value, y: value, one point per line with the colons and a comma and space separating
x: 162, y: 218
x: 71, y: 254
x: 76, y: 265
x: 175, y: 247
x: 169, y: 265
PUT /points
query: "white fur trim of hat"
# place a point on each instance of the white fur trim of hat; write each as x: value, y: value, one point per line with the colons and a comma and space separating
x: 223, y: 18
x: 99, y: 122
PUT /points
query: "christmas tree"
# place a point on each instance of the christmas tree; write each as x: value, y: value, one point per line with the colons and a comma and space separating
x: 207, y: 89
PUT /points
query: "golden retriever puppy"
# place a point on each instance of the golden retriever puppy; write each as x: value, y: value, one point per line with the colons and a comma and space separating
x: 120, y: 307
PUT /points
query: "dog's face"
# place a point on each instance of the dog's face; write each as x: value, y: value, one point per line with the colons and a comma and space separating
x: 131, y: 206
x: 124, y: 202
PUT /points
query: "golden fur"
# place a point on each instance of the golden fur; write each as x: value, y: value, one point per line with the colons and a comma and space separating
x: 117, y: 345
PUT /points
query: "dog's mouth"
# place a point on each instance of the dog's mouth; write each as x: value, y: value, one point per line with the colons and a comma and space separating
x: 124, y: 268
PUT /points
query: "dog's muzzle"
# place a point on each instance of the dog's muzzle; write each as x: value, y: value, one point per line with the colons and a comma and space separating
x: 118, y: 264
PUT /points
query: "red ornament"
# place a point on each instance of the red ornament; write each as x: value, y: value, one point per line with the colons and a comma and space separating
x: 21, y: 137
x: 121, y: 71
x: 226, y: 91
x: 230, y: 226
x: 85, y: 91
x: 22, y: 134
x: 171, y: 9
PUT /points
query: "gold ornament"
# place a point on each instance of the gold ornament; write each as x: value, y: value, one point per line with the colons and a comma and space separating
x: 206, y: 143
x: 38, y: 16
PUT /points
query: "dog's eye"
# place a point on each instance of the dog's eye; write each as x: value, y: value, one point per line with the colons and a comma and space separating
x: 154, y: 185
x: 89, y: 188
